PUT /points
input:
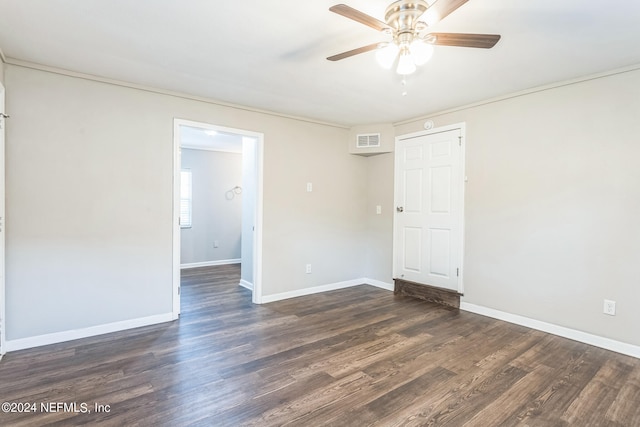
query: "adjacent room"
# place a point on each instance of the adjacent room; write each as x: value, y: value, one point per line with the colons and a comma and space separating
x: 375, y: 213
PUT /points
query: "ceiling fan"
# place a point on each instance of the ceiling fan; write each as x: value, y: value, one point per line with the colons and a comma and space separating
x: 411, y: 45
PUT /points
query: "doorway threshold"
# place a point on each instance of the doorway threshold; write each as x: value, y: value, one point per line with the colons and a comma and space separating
x: 426, y: 292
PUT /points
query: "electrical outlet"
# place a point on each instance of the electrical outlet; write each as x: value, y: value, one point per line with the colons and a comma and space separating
x: 308, y: 269
x: 378, y: 210
x: 609, y: 307
x: 216, y: 243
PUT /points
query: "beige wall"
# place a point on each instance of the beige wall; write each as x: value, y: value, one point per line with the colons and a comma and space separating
x: 324, y: 228
x: 217, y: 214
x: 380, y: 227
x: 89, y: 201
x: 552, y: 204
x: 88, y: 172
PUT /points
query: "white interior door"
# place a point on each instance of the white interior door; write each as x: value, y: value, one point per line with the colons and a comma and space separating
x: 2, y: 291
x: 429, y: 208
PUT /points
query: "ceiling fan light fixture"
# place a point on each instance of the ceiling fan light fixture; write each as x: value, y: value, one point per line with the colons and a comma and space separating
x: 405, y: 63
x: 406, y: 22
x: 421, y: 52
x: 386, y: 55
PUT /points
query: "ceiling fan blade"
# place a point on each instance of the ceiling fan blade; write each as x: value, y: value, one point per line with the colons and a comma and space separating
x: 440, y: 9
x: 483, y: 41
x: 353, y: 52
x: 356, y: 15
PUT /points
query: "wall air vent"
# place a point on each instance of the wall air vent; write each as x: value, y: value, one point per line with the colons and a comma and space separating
x: 366, y: 140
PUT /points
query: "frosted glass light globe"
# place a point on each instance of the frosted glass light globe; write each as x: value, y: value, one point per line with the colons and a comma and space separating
x: 405, y: 63
x: 421, y: 52
x: 386, y: 55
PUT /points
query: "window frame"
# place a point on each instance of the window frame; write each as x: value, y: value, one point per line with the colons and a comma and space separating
x: 186, y: 198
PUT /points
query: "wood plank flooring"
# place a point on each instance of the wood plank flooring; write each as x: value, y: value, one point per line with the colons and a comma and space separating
x: 354, y: 357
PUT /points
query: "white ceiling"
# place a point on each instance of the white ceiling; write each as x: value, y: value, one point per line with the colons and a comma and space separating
x: 271, y: 55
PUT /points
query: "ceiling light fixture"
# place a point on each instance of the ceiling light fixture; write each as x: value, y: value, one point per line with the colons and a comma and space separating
x: 406, y: 23
x: 386, y: 55
x: 408, y: 48
x: 405, y: 62
x: 407, y: 56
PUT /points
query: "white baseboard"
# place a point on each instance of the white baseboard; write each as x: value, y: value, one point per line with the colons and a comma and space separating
x: 379, y: 284
x: 595, y: 340
x: 58, y: 337
x: 325, y: 288
x: 246, y: 284
x: 210, y: 263
x: 310, y: 291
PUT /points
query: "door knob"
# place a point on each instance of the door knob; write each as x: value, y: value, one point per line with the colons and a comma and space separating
x: 400, y: 209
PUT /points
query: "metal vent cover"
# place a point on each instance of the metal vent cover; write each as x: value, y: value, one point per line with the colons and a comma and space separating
x: 366, y: 140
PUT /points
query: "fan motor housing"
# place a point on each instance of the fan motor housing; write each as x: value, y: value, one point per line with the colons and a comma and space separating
x: 403, y: 14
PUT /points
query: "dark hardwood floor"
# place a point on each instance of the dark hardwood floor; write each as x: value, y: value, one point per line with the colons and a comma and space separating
x: 354, y: 357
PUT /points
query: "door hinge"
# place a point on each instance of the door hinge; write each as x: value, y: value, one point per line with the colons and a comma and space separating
x: 457, y: 272
x: 460, y: 141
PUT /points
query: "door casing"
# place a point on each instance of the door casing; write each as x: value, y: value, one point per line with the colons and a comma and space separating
x: 3, y: 317
x: 257, y: 235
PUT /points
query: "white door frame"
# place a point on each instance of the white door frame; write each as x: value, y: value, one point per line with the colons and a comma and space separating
x: 400, y: 138
x: 3, y: 295
x: 257, y: 235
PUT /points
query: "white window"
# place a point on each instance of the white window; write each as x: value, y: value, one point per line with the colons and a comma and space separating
x: 186, y: 202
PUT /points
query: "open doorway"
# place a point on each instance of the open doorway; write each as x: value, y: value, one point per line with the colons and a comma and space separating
x: 205, y: 136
